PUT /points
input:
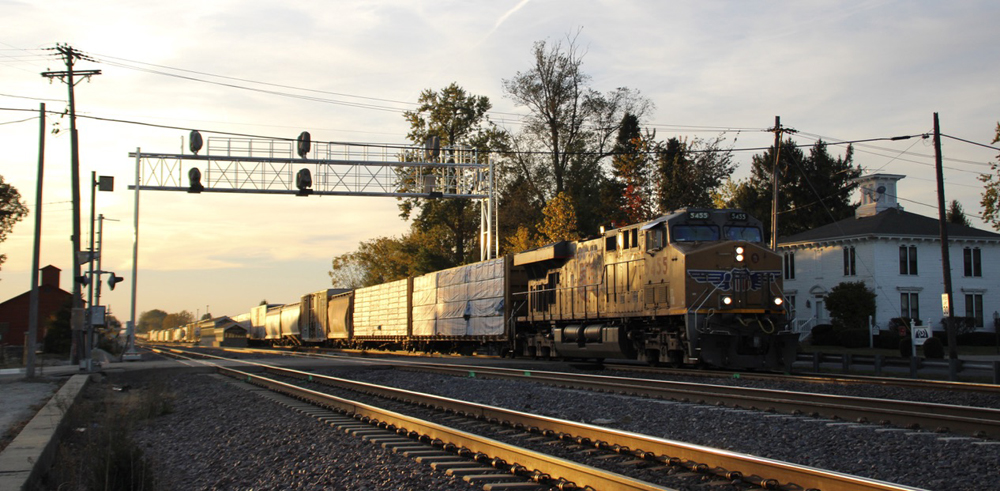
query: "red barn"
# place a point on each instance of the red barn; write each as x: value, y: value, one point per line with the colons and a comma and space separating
x: 14, y: 312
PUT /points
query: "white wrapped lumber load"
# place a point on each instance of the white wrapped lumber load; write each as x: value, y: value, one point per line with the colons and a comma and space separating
x: 382, y: 310
x: 463, y: 301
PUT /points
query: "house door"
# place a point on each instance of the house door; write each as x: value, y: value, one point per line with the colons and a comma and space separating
x: 822, y: 317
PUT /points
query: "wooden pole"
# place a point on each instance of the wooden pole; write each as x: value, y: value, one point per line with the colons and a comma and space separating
x: 949, y: 325
x: 29, y: 348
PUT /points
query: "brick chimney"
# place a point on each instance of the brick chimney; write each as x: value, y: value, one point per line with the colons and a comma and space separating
x: 50, y: 276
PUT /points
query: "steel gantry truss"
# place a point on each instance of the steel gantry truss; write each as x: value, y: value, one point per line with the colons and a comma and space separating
x: 268, y: 166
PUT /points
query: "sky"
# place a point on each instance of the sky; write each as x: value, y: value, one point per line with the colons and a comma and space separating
x: 836, y: 70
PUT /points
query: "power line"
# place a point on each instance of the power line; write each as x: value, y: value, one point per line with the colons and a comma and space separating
x: 970, y: 142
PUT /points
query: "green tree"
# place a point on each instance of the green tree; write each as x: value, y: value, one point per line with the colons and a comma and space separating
x: 177, y: 319
x: 457, y: 119
x: 150, y: 320
x: 850, y: 304
x: 991, y: 191
x: 689, y: 174
x: 813, y: 190
x: 12, y: 210
x: 956, y: 214
x: 58, y: 331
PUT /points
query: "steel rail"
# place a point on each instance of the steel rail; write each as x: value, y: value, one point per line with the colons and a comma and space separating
x: 776, y: 473
x: 643, y: 446
x: 578, y: 474
x: 976, y: 421
x: 817, y: 378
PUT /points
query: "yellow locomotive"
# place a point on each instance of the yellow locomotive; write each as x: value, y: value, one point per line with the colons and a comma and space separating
x: 696, y: 286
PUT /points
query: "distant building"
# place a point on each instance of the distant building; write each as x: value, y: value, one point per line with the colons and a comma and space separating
x: 898, y: 255
x: 14, y: 312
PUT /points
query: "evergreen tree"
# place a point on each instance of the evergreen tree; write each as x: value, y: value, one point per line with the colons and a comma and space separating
x: 813, y: 190
x: 956, y: 214
x: 688, y: 174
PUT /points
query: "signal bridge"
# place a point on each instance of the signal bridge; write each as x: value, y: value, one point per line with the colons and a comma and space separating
x: 303, y: 168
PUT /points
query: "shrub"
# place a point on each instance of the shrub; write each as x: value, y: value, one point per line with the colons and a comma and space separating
x: 977, y: 339
x: 904, y: 347
x: 823, y: 334
x: 853, y: 338
x: 934, y: 348
x: 888, y: 339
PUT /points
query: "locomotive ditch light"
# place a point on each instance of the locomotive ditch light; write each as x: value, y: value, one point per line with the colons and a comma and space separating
x: 194, y: 175
x: 727, y: 300
x: 778, y: 301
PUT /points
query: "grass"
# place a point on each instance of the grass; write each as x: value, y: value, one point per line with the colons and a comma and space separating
x: 98, y: 451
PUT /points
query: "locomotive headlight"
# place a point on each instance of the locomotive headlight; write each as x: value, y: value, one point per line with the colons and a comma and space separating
x: 739, y: 254
x: 739, y: 250
x: 727, y: 300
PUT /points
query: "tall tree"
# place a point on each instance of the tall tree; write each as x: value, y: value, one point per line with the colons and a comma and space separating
x: 956, y: 214
x: 150, y: 320
x: 458, y: 119
x: 630, y: 167
x: 689, y: 174
x: 813, y: 190
x: 177, y: 319
x: 12, y: 210
x: 568, y: 120
x: 991, y: 191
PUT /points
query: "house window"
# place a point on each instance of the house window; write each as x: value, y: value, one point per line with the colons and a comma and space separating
x: 789, y: 265
x: 973, y: 261
x: 974, y: 307
x: 908, y: 260
x: 790, y: 305
x: 909, y: 305
x: 850, y: 268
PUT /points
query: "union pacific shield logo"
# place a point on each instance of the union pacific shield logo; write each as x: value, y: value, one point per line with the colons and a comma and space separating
x: 736, y: 279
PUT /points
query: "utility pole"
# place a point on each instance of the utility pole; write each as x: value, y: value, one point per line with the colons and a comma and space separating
x: 945, y: 255
x: 774, y: 182
x: 29, y: 355
x: 70, y: 56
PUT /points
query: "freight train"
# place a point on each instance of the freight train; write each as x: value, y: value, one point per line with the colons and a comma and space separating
x: 694, y: 287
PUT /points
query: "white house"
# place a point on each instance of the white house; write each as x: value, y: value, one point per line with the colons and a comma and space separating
x: 898, y: 255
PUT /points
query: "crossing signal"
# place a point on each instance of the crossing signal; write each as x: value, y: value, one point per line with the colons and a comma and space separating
x: 114, y: 280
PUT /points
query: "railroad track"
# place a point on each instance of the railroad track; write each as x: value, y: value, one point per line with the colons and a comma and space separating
x: 638, y: 450
x: 818, y: 379
x: 975, y: 421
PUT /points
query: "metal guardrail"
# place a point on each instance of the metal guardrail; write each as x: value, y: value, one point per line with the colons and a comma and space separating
x: 915, y: 367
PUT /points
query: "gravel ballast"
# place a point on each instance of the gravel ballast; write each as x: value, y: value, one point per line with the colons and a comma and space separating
x: 222, y: 437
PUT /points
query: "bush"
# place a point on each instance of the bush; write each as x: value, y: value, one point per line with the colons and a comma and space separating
x: 888, y: 339
x: 904, y: 347
x: 823, y: 334
x: 934, y: 348
x: 977, y: 339
x: 853, y: 338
